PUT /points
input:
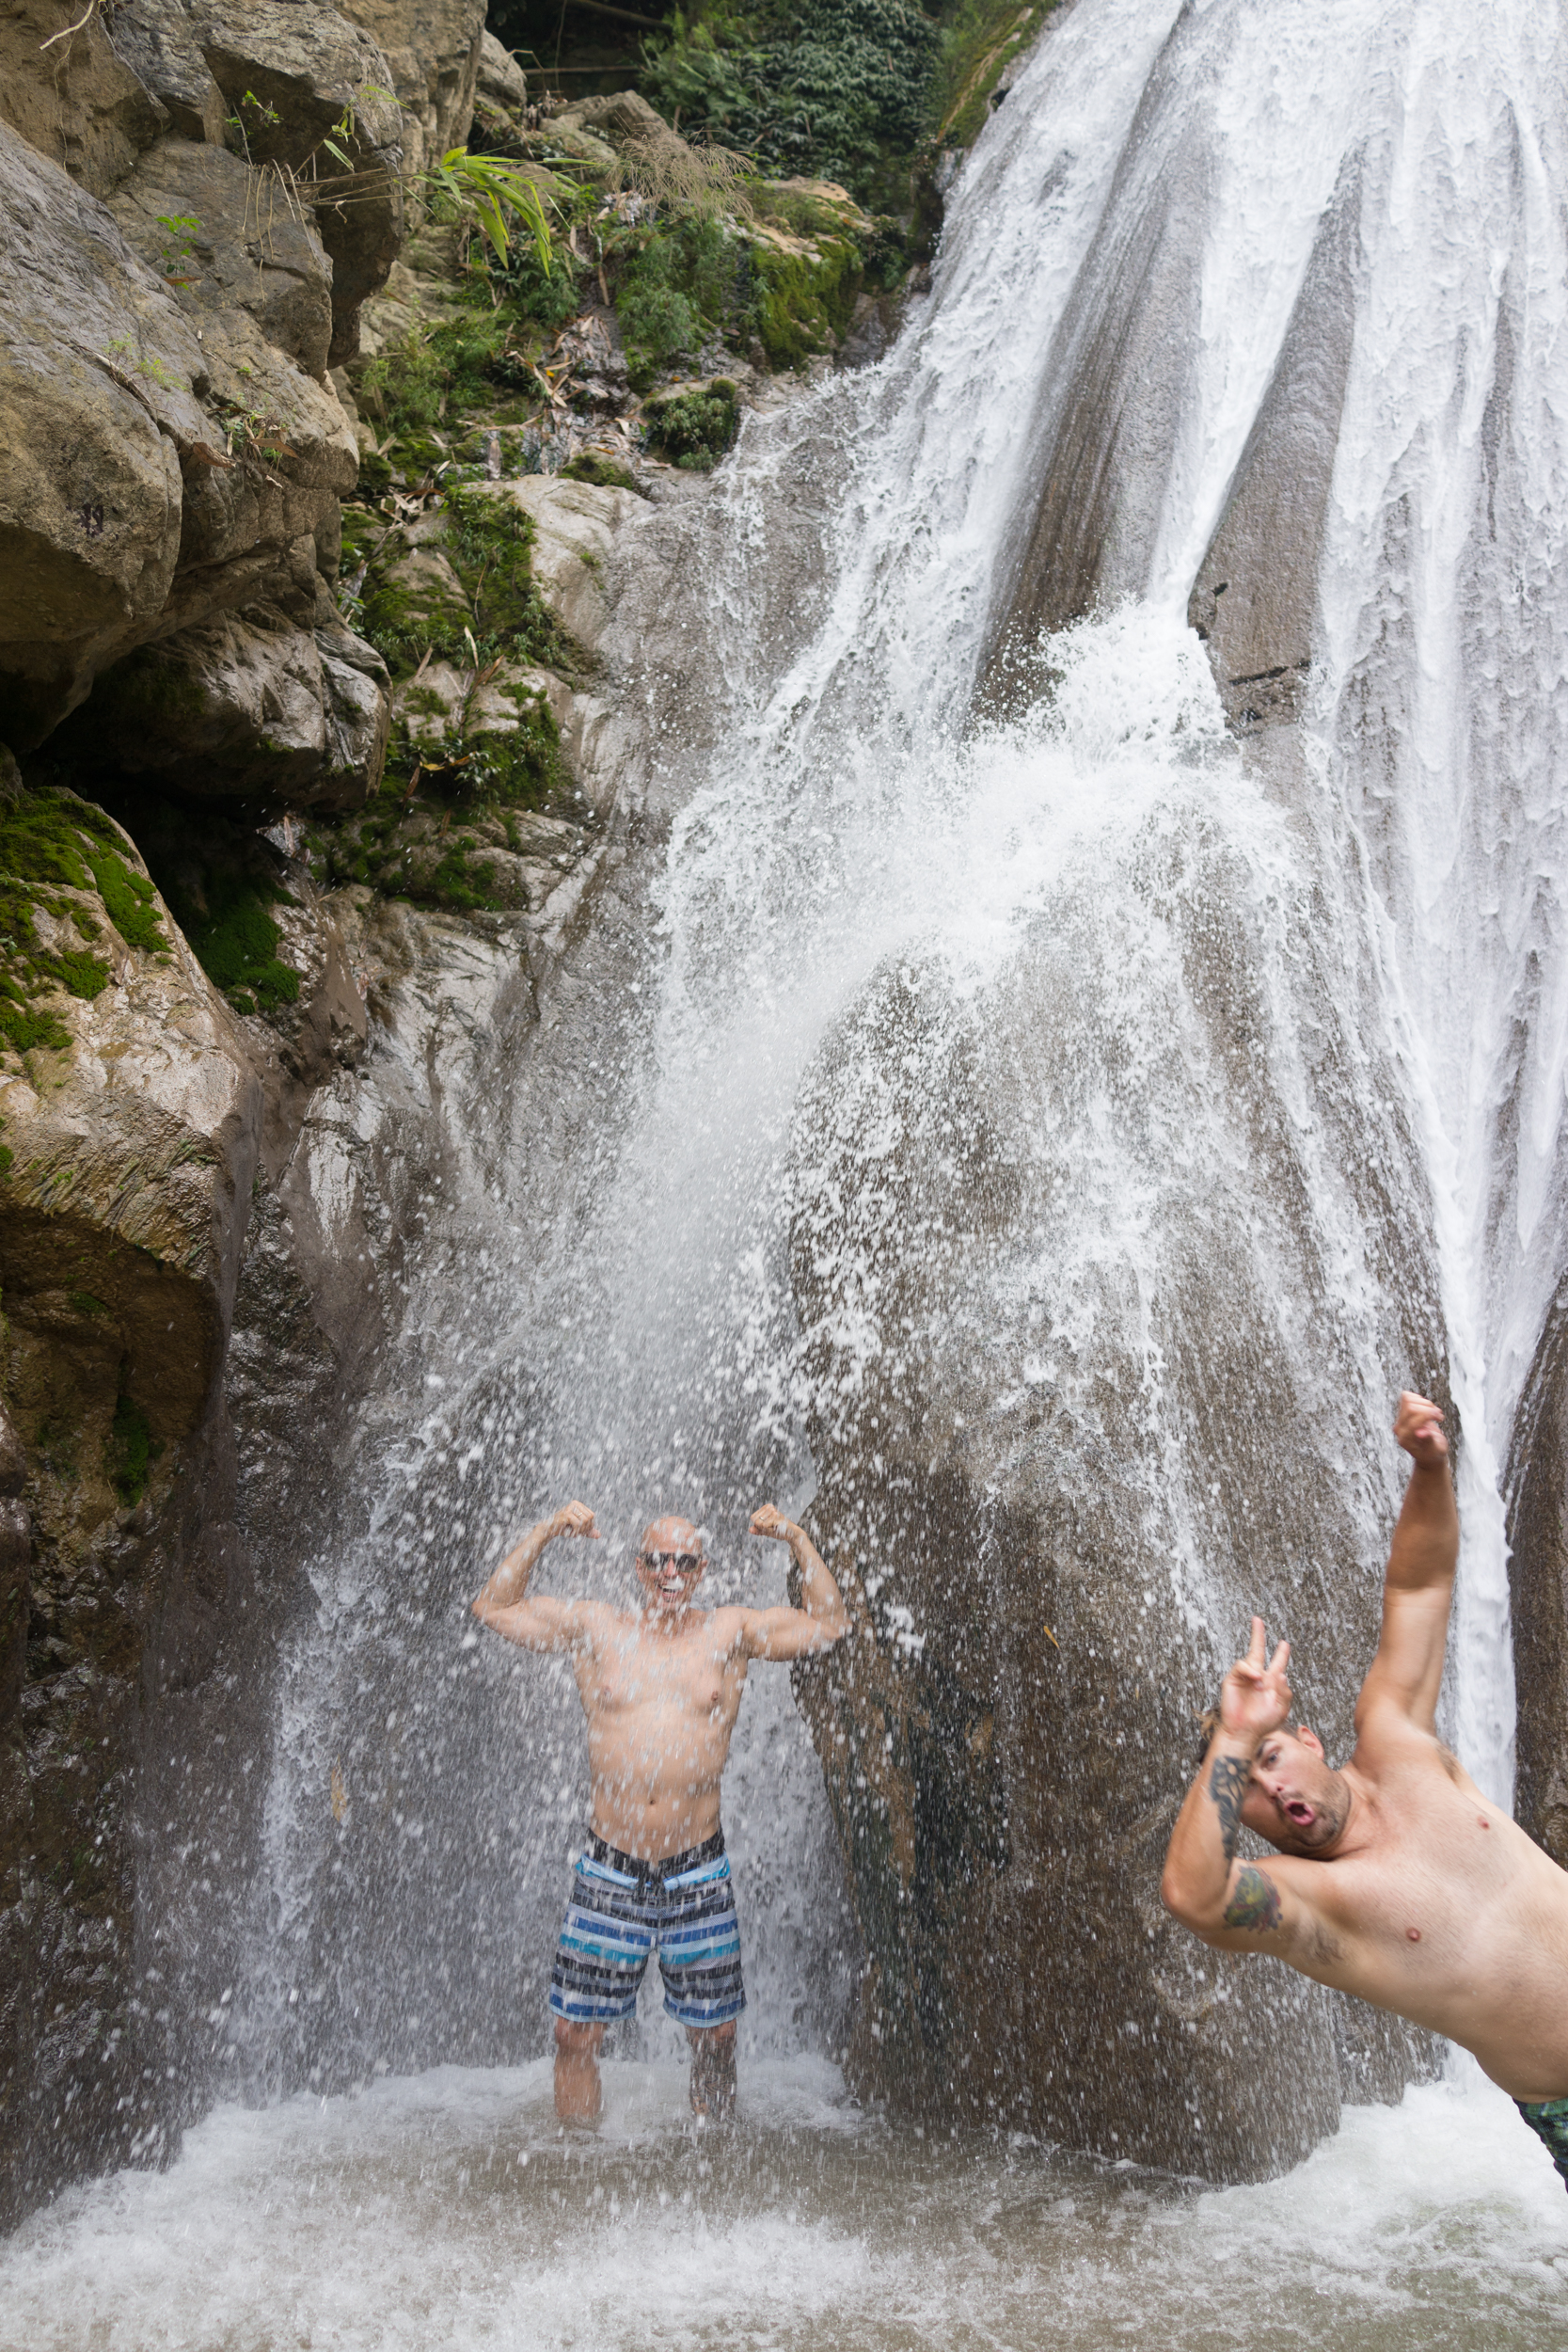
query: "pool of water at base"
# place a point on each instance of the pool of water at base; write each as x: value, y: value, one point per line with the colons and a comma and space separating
x: 449, y: 2209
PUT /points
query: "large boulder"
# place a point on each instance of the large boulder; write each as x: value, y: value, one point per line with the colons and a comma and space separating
x: 302, y: 83
x: 99, y: 421
x: 162, y: 459
x: 502, y: 79
x: 160, y: 41
x: 1060, y: 1243
x: 246, y: 250
x: 67, y: 91
x: 250, y: 705
x: 434, y: 48
x: 130, y: 1114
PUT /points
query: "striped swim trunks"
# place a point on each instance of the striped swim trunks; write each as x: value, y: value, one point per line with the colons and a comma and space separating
x: 620, y: 1908
x: 1548, y: 2119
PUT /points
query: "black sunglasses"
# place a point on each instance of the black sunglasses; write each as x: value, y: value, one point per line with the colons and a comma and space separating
x: 686, y: 1562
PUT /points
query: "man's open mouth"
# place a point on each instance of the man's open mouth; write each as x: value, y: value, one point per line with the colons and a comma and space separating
x: 1302, y: 1814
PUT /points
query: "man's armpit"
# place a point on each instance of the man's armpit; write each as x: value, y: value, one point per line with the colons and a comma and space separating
x: 1254, y: 1908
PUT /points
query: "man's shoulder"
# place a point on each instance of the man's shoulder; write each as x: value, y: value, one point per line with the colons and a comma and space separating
x: 1390, y: 1738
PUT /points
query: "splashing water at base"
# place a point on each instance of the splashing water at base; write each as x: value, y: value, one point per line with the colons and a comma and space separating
x: 448, y: 2209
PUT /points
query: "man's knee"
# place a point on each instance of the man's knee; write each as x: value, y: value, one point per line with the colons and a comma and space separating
x: 710, y: 2036
x: 578, y: 2041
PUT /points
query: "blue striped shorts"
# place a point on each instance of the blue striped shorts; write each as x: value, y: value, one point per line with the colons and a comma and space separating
x: 621, y: 1909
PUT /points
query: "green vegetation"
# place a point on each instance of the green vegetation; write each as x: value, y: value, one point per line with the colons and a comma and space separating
x: 410, y: 616
x: 824, y: 89
x: 51, y: 842
x: 177, y: 252
x: 980, y: 41
x: 218, y: 882
x: 602, y: 472
x: 694, y: 428
x: 675, y: 289
x: 492, y: 195
x: 235, y: 941
x: 130, y: 1451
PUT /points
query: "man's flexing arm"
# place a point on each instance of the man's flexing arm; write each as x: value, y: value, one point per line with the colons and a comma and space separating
x: 539, y: 1622
x: 1240, y: 1906
x: 1417, y: 1586
x: 821, y: 1619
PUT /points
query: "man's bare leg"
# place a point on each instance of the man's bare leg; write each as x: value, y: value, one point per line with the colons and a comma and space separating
x: 577, y: 2096
x: 713, y: 2071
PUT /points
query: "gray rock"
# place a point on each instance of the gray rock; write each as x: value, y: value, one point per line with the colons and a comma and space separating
x: 97, y: 406
x: 161, y: 458
x: 434, y: 48
x: 502, y: 79
x: 253, y: 250
x: 251, y: 705
x: 160, y: 40
x: 297, y: 77
x: 1003, y: 1408
x: 75, y: 101
x: 1255, y: 597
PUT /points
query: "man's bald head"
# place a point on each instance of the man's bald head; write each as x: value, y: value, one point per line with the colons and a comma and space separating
x: 670, y: 1563
x: 672, y: 1535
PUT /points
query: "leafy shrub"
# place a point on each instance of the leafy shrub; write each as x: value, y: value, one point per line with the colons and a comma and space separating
x: 547, y: 296
x: 694, y: 428
x: 675, y: 287
x: 818, y: 89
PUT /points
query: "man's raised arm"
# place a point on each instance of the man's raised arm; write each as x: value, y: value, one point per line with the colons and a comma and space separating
x: 1239, y: 1906
x: 821, y: 1619
x: 540, y: 1623
x: 1417, y: 1586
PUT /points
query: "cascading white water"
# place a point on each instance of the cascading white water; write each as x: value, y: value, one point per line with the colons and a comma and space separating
x: 1398, y: 892
x: 849, y: 819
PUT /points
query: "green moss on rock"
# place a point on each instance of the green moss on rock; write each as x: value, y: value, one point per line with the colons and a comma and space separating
x: 131, y: 1452
x: 694, y: 428
x: 51, y: 842
x: 804, y: 301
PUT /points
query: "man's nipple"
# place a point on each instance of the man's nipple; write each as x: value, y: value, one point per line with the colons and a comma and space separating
x: 1414, y: 1933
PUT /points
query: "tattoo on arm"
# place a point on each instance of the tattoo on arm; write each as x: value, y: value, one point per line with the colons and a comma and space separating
x: 1254, y: 1906
x: 1227, y: 1784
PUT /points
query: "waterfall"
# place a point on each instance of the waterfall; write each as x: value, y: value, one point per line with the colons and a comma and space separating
x: 1249, y: 1047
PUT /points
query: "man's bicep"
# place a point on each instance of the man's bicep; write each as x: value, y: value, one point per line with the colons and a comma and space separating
x: 1262, y: 1911
x: 542, y: 1622
x: 1408, y: 1672
x: 782, y: 1635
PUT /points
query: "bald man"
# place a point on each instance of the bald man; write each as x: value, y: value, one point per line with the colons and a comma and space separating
x: 660, y: 1686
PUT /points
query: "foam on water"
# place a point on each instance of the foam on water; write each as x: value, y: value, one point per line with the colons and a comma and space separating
x: 448, y: 2209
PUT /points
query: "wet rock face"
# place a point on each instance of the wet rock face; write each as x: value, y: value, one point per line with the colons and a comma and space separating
x: 1045, y: 1471
x: 1255, y: 599
x: 132, y: 1136
x: 1538, y: 1581
x: 252, y: 704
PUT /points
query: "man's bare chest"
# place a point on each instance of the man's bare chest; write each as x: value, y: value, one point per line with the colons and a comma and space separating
x: 1438, y: 1873
x: 689, y: 1680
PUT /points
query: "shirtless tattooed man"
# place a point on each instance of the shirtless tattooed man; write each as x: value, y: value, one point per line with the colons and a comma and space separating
x: 660, y: 1688
x: 1398, y: 1881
